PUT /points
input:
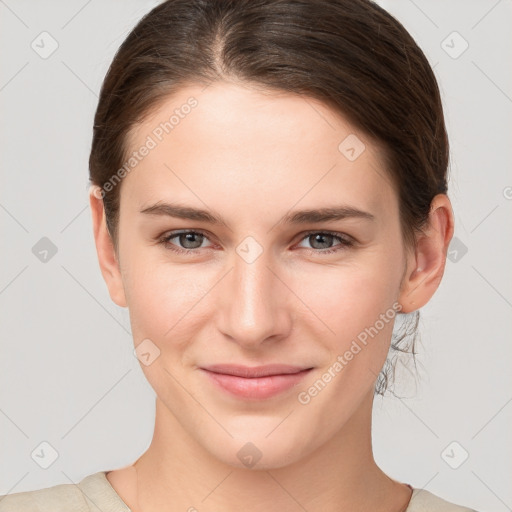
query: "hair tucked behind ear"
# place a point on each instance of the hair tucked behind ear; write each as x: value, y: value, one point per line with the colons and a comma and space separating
x: 403, y: 344
x: 350, y: 54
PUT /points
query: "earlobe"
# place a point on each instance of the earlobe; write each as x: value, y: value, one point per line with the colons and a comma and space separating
x: 107, y: 257
x: 425, y: 265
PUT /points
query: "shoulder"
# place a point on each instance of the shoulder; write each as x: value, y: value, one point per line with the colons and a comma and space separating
x: 59, y: 498
x: 92, y: 494
x: 424, y: 501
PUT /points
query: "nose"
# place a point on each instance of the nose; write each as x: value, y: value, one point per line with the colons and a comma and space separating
x: 254, y: 302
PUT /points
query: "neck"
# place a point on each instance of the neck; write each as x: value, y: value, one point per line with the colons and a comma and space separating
x: 340, y: 475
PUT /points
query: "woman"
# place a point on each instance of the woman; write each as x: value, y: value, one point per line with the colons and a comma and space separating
x: 268, y: 194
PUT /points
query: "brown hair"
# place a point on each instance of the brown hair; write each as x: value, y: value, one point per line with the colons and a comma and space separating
x: 350, y: 54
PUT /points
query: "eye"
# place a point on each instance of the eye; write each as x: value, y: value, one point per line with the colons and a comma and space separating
x: 191, y: 241
x: 326, y: 238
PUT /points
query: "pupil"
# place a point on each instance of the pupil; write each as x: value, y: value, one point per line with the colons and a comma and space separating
x: 322, y: 237
x: 189, y: 237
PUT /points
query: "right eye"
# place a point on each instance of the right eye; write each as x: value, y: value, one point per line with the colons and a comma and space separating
x: 192, y: 240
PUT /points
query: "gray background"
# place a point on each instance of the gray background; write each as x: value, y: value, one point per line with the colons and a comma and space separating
x: 68, y: 376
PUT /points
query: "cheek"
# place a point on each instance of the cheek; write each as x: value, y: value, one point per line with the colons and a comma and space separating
x: 359, y: 307
x: 350, y: 298
x: 162, y: 296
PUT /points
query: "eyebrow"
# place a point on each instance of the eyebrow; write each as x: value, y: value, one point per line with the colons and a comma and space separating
x: 294, y: 218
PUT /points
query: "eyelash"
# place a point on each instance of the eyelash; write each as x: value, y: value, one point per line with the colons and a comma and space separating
x: 345, y: 242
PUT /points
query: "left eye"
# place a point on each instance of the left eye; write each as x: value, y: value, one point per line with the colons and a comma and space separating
x: 326, y: 238
x: 193, y: 240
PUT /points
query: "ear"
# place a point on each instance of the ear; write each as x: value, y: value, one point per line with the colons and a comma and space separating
x: 107, y: 257
x: 425, y: 264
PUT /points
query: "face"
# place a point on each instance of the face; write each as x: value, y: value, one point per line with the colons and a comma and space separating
x: 263, y: 285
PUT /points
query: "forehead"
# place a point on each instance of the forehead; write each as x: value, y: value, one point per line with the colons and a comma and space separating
x: 235, y: 143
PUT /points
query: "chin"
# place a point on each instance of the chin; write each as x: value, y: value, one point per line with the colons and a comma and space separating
x: 258, y: 452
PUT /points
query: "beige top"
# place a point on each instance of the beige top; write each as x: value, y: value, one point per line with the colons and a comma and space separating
x: 95, y: 494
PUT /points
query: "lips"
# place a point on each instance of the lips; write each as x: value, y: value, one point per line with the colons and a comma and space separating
x: 257, y: 382
x: 250, y: 372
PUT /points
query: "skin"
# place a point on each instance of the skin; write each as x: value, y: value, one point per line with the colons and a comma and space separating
x: 251, y: 157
